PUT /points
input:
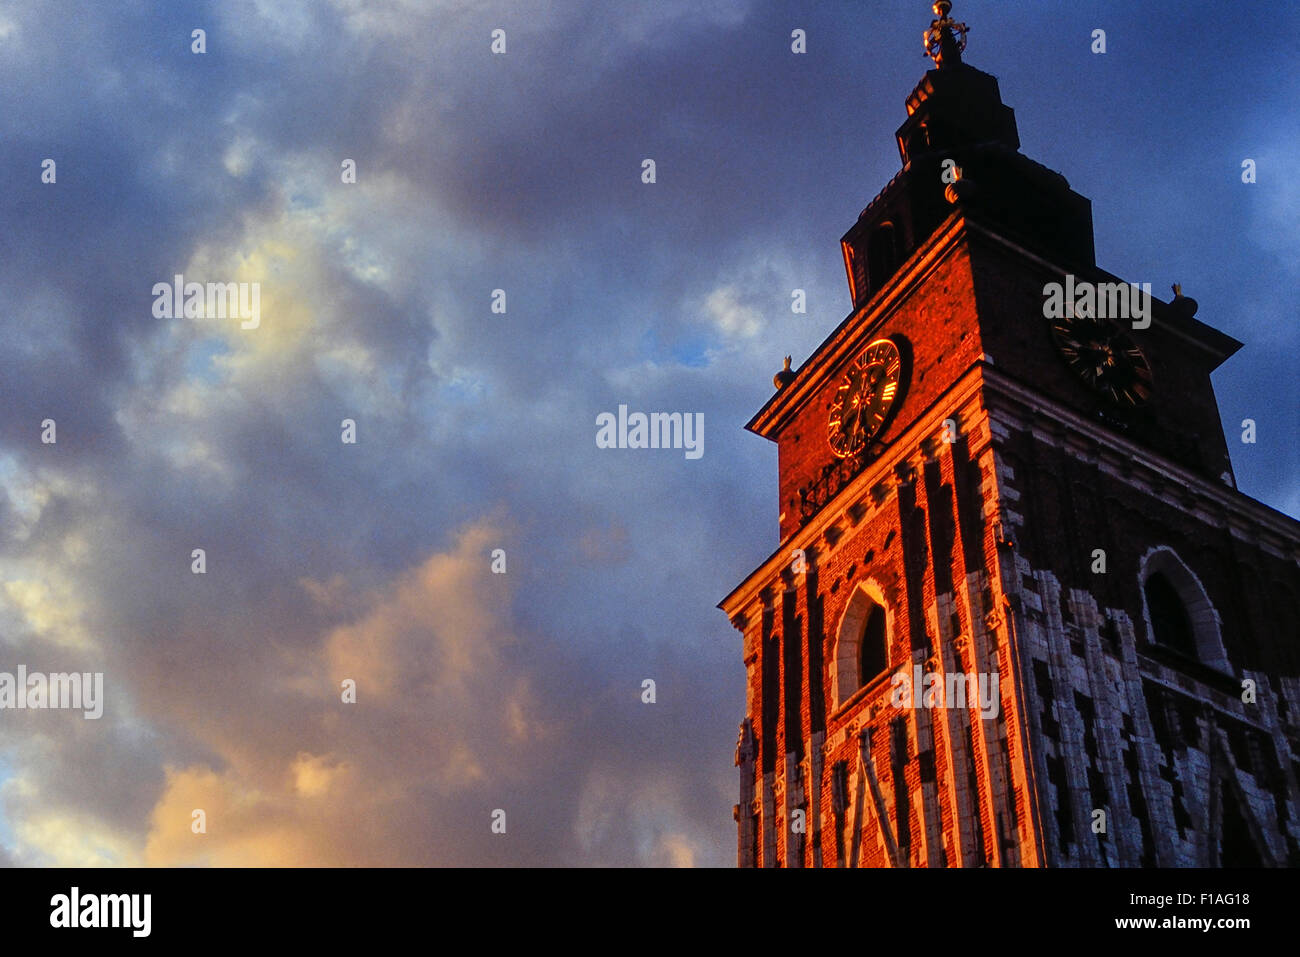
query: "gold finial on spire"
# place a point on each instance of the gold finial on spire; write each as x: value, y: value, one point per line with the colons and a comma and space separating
x: 946, y: 38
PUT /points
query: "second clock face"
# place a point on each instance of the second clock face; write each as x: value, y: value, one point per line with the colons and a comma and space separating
x: 1101, y: 354
x: 864, y: 398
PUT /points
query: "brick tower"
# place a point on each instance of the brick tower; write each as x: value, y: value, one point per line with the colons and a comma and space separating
x: 1019, y: 614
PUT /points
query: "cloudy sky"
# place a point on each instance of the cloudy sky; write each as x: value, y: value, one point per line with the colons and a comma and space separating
x: 371, y: 561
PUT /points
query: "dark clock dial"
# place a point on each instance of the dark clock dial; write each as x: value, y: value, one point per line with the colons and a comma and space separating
x: 1103, y: 355
x: 864, y: 398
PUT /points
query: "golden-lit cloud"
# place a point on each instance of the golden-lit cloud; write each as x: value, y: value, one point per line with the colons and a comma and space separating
x: 426, y: 651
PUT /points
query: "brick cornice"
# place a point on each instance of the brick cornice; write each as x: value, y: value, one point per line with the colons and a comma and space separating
x: 868, y: 491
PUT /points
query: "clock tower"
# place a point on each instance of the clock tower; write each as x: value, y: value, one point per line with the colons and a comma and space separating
x: 1019, y: 614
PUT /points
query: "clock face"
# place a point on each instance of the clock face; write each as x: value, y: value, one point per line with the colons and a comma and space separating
x: 864, y: 399
x: 1101, y: 354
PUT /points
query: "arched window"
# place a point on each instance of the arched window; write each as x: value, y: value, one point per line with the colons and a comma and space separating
x: 1237, y: 846
x: 882, y: 254
x: 873, y: 655
x: 861, y: 642
x: 916, y: 143
x: 1178, y: 611
x: 1170, y: 625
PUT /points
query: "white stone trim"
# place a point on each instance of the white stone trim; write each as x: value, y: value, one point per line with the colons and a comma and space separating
x: 1207, y: 626
x: 845, y: 657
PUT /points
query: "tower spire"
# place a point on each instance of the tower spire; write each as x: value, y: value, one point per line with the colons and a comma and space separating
x: 946, y: 38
